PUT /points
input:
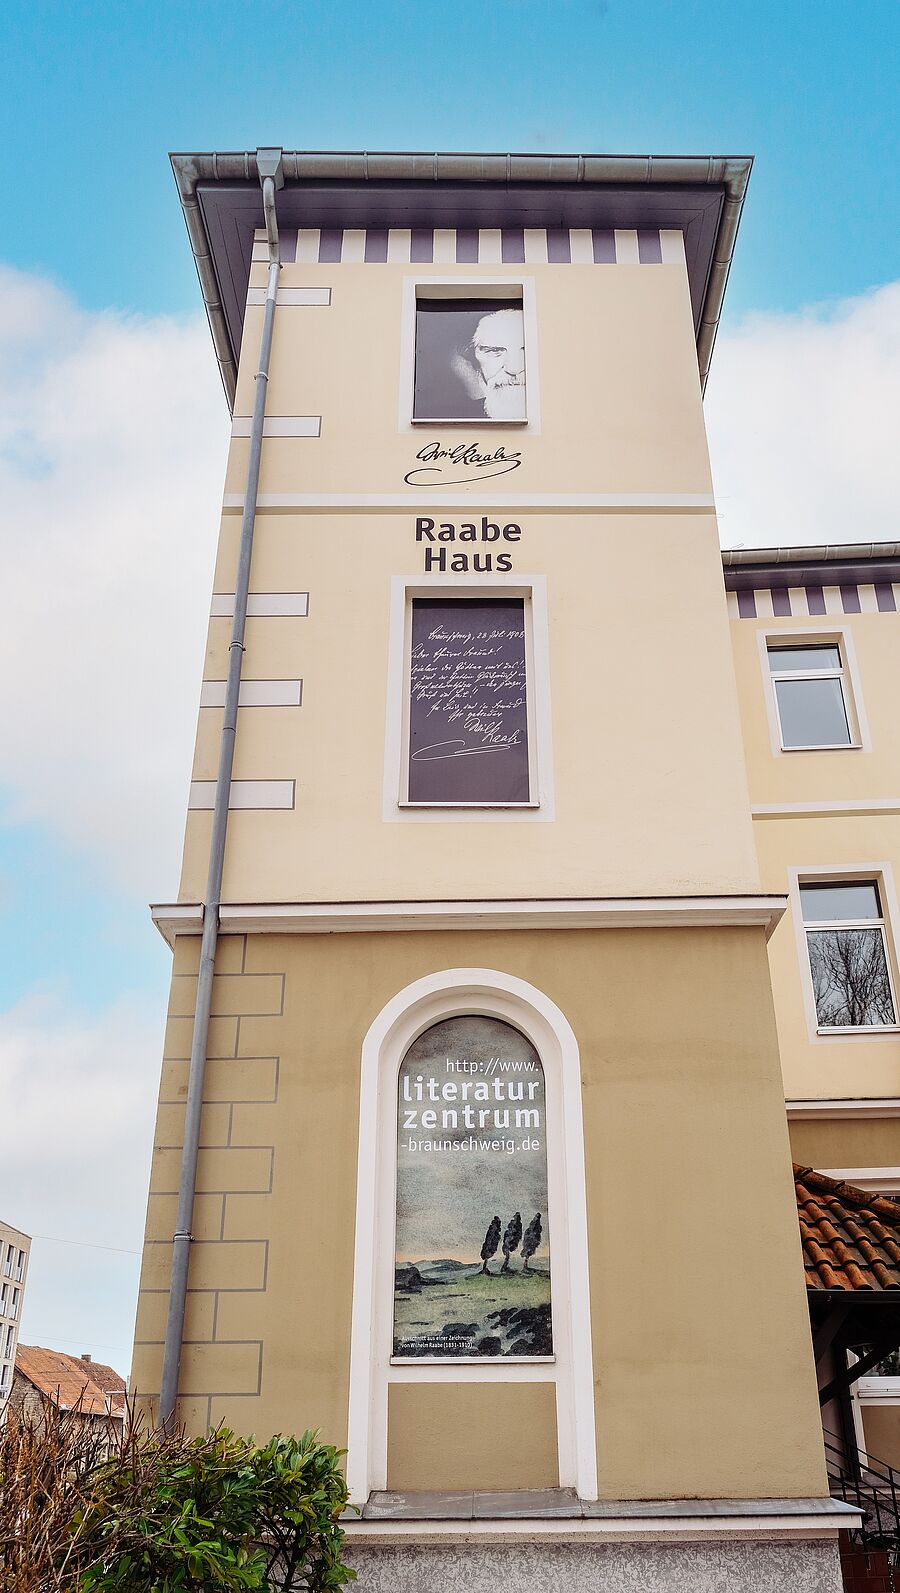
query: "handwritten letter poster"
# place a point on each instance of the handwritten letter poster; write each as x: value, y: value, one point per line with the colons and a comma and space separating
x: 468, y: 725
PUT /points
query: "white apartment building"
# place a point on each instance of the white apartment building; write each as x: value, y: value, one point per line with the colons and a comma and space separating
x: 15, y: 1250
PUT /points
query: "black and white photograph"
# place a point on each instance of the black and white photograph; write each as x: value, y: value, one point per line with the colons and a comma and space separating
x: 470, y: 360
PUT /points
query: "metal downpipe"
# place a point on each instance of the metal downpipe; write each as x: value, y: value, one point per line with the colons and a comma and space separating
x: 269, y: 166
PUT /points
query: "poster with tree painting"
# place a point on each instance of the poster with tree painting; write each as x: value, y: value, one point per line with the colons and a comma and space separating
x: 472, y: 1253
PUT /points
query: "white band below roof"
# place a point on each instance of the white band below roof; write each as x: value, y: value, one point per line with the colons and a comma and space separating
x: 233, y: 502
x: 321, y: 918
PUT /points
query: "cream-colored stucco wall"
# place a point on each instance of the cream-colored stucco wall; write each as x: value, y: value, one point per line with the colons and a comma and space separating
x: 647, y: 758
x: 850, y: 838
x: 700, y: 1328
x: 615, y: 359
x: 650, y: 792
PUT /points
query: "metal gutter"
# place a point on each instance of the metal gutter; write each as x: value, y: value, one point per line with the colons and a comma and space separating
x: 825, y: 553
x: 268, y: 166
x: 730, y: 173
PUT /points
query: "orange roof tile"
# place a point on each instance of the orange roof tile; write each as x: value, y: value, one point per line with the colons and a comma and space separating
x: 70, y: 1381
x: 851, y: 1240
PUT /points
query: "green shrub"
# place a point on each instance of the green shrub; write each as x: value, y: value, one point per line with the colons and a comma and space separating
x: 150, y: 1513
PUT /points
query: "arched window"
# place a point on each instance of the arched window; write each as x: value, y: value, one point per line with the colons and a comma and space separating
x: 472, y: 1242
x: 431, y: 1212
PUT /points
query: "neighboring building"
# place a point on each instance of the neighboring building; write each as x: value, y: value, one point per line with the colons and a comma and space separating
x: 492, y: 946
x: 71, y: 1382
x: 816, y: 640
x: 15, y: 1251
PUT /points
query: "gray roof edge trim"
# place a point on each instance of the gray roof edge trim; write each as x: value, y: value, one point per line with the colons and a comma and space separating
x: 825, y: 553
x: 731, y: 172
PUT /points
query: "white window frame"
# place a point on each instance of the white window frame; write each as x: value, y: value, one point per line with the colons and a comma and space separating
x: 881, y: 874
x: 404, y: 591
x: 835, y: 636
x: 470, y: 286
x: 451, y: 993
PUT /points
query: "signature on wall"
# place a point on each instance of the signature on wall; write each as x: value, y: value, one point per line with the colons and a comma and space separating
x: 439, y: 463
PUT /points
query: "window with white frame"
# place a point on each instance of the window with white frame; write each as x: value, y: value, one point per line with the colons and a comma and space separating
x: 469, y: 356
x: 468, y: 704
x: 812, y: 697
x: 849, y: 959
x: 4, y: 1378
x: 8, y: 1264
x: 20, y: 1267
x: 14, y: 1306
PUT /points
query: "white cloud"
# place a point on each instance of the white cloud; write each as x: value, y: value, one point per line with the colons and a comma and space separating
x: 113, y: 432
x: 75, y: 1161
x: 802, y: 418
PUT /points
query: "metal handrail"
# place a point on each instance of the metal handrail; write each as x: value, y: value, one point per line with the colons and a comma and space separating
x: 873, y: 1487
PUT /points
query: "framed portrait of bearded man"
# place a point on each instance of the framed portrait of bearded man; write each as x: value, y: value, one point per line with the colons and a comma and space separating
x: 470, y: 360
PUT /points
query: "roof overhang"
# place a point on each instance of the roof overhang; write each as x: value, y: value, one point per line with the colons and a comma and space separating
x: 701, y: 196
x: 855, y: 562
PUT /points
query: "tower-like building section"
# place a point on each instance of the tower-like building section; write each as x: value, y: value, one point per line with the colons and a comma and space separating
x: 493, y: 1181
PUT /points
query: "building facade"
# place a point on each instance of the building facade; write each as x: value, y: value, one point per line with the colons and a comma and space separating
x: 502, y: 931
x: 92, y: 1391
x: 15, y: 1252
x: 816, y: 644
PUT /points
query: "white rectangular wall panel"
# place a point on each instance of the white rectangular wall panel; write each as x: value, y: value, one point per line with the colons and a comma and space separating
x: 254, y: 694
x: 262, y: 605
x: 296, y: 297
x: 244, y: 794
x: 280, y: 426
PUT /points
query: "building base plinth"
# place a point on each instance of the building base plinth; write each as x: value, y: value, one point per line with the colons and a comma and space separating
x: 811, y: 1566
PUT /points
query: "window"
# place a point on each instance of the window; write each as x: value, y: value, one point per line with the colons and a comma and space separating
x: 811, y: 697
x: 14, y: 1308
x: 468, y: 732
x: 470, y: 359
x: 9, y: 1343
x: 8, y: 1264
x: 848, y: 956
x: 20, y: 1267
x: 4, y: 1378
x: 472, y: 1252
x: 3, y: 1293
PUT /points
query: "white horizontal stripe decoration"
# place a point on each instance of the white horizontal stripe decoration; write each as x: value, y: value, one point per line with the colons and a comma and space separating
x: 262, y: 605
x: 814, y: 600
x: 244, y: 794
x: 627, y: 247
x: 671, y: 244
x: 472, y: 246
x: 309, y: 297
x: 254, y: 694
x: 307, y: 246
x: 280, y: 426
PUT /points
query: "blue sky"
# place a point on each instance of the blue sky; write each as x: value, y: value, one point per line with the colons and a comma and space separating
x: 97, y: 93
x: 98, y: 723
